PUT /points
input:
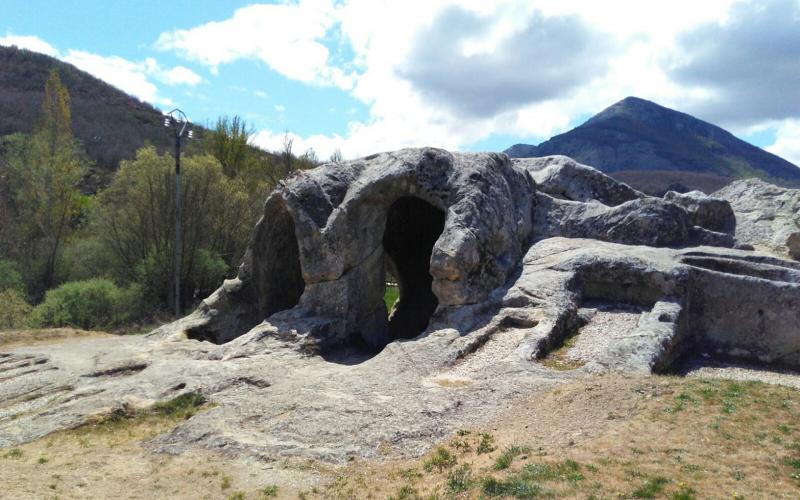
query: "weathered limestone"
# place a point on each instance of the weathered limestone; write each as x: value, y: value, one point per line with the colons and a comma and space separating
x: 495, y: 272
x: 450, y: 227
x: 766, y: 215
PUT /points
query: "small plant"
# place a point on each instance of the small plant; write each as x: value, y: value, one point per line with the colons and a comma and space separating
x: 441, y: 459
x: 507, y: 457
x: 460, y: 479
x: 514, y: 486
x: 269, y: 491
x: 225, y: 483
x: 463, y: 432
x: 793, y: 462
x: 684, y: 493
x: 568, y: 470
x: 181, y: 407
x: 410, y: 474
x: 651, y: 488
x: 405, y: 492
x: 14, y: 453
x: 486, y: 444
x: 42, y: 460
x: 236, y: 495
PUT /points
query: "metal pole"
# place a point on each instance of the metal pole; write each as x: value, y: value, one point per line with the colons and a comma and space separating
x: 177, y: 224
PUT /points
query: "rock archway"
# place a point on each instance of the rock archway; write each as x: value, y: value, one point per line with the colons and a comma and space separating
x: 412, y: 228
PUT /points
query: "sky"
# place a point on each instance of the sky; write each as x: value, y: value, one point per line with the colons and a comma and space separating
x: 362, y: 76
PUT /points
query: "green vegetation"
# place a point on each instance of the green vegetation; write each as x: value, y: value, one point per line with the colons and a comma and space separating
x: 508, y: 455
x: 106, y: 260
x: 486, y: 444
x: 441, y: 459
x: 90, y: 304
x: 390, y: 296
x: 181, y: 407
x: 269, y: 491
x: 651, y: 488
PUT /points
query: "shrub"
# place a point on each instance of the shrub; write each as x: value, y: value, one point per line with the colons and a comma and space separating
x: 14, y: 311
x: 94, y: 303
x: 10, y: 277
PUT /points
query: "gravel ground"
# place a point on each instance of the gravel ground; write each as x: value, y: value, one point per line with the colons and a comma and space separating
x: 708, y: 367
x: 606, y: 322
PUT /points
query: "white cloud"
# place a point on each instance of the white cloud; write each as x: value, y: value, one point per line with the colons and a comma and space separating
x: 128, y: 76
x: 787, y: 141
x: 134, y: 78
x: 467, y: 69
x: 32, y: 43
x: 287, y: 37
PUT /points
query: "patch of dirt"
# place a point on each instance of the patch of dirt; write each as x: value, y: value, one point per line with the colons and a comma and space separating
x: 16, y: 338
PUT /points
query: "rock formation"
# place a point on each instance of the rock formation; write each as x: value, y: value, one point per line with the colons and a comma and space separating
x: 767, y: 216
x: 498, y: 262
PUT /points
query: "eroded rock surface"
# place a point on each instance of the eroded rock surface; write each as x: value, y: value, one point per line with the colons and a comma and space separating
x: 301, y: 358
x: 766, y: 215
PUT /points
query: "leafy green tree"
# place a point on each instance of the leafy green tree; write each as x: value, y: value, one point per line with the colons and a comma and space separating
x: 229, y: 143
x: 44, y: 171
x: 134, y: 220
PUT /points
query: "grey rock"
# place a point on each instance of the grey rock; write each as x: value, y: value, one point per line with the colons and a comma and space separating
x: 562, y: 177
x: 714, y: 214
x: 766, y: 215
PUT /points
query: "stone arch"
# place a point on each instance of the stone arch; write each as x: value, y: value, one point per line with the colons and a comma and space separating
x: 412, y: 228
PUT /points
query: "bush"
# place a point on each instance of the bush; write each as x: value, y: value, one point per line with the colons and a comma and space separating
x: 14, y: 311
x: 10, y: 277
x: 94, y: 303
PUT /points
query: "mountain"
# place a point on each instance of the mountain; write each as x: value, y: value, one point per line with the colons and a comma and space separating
x: 111, y: 124
x: 654, y: 148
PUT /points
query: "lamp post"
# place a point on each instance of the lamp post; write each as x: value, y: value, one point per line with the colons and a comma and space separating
x: 179, y: 123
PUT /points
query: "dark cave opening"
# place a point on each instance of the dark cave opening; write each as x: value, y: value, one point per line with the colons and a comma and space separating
x: 276, y: 281
x: 277, y: 267
x: 412, y: 228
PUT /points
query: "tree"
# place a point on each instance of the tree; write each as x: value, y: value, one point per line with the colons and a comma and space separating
x: 229, y: 143
x: 336, y: 156
x: 44, y: 171
x: 286, y: 154
x: 134, y: 219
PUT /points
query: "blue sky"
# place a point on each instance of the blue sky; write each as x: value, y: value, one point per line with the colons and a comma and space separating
x: 369, y: 75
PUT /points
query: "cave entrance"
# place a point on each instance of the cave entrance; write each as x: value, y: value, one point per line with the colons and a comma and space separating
x: 412, y: 228
x: 277, y: 266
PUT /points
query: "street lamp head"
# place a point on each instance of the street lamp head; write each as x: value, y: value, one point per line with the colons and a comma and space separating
x: 190, y: 135
x: 167, y: 121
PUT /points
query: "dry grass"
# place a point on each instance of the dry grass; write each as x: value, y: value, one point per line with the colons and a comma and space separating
x: 612, y: 438
x: 606, y: 437
x: 13, y: 338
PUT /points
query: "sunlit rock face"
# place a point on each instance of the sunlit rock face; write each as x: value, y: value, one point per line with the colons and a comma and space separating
x: 448, y: 227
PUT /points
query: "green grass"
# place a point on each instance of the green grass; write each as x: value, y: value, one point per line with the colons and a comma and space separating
x: 13, y: 453
x: 460, y: 479
x: 515, y: 486
x: 390, y: 296
x: 269, y: 491
x: 508, y: 455
x: 441, y: 459
x: 486, y: 444
x: 568, y: 470
x: 181, y: 407
x: 651, y: 488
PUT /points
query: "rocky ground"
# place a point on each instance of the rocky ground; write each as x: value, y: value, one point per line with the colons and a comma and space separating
x: 607, y: 436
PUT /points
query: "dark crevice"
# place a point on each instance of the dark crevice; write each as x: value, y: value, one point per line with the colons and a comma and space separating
x: 412, y: 228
